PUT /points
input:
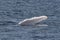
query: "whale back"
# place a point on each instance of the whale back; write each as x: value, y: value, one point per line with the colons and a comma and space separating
x: 33, y: 20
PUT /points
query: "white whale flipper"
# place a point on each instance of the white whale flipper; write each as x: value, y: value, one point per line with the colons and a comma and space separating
x: 33, y: 20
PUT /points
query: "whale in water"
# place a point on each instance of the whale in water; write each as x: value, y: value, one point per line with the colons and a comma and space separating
x: 32, y: 21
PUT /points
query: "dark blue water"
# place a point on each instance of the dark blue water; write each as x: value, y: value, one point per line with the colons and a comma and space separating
x: 13, y: 11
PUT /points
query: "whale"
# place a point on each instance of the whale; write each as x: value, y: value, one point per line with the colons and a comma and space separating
x: 32, y: 21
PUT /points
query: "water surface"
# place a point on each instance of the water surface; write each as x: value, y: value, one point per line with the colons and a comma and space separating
x: 13, y: 11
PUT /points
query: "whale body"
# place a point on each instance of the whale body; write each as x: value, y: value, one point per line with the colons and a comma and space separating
x: 32, y: 21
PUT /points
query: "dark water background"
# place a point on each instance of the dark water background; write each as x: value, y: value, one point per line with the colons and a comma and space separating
x: 13, y: 11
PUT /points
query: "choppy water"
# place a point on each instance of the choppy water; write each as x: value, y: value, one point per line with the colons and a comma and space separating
x: 13, y: 11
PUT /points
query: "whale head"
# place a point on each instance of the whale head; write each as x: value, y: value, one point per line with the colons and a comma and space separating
x: 43, y: 17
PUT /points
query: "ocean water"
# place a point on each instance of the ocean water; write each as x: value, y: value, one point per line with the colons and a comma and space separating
x: 13, y: 11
